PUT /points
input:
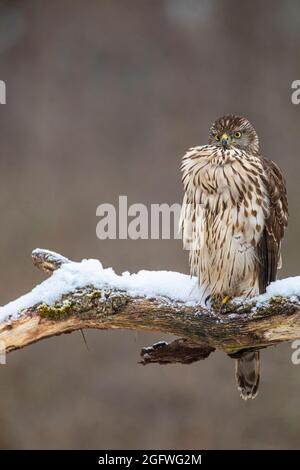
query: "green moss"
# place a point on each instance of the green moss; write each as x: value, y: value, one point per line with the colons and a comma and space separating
x: 274, y: 306
x: 232, y: 307
x: 55, y: 312
x: 94, y: 294
x: 85, y: 303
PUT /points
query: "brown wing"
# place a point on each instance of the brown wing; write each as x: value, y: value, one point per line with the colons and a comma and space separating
x: 268, y: 249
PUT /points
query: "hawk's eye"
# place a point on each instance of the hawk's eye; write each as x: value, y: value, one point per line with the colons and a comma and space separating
x: 217, y: 137
x: 237, y: 134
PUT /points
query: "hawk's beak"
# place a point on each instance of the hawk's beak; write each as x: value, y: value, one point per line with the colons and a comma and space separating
x: 225, y: 140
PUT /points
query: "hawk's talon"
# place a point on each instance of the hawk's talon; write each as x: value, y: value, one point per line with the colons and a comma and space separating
x: 219, y: 303
x: 225, y: 300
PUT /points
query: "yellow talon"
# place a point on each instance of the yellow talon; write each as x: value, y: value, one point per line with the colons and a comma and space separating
x: 225, y: 300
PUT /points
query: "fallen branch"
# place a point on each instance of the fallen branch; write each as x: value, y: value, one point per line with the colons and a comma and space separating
x: 239, y: 326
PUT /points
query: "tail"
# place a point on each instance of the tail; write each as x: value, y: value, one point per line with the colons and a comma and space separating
x: 247, y: 372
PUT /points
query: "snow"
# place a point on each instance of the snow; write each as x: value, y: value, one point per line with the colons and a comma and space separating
x: 289, y: 287
x: 50, y: 254
x: 166, y: 285
x: 71, y: 275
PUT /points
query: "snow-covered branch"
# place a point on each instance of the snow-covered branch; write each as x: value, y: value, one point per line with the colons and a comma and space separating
x: 85, y: 295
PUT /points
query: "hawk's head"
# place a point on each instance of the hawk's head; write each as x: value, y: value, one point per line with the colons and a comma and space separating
x: 234, y: 131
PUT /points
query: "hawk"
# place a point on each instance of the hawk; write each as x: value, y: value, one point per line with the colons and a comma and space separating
x: 233, y: 218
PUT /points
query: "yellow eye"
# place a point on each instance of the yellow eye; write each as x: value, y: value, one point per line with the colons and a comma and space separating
x: 238, y: 134
x: 217, y: 137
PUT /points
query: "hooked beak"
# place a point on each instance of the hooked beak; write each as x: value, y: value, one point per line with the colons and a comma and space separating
x: 225, y: 140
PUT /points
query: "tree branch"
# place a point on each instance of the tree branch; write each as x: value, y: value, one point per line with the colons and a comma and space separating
x: 180, y: 350
x: 239, y: 326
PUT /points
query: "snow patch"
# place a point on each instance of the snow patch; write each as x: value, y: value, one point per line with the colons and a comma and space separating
x: 70, y: 276
x: 289, y: 287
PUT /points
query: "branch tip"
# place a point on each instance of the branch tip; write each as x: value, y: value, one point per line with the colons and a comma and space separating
x: 47, y: 261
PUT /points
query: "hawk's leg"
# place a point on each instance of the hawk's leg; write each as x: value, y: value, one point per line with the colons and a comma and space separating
x: 220, y: 302
x: 225, y: 300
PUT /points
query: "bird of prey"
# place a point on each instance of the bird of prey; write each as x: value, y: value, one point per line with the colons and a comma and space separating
x: 233, y: 218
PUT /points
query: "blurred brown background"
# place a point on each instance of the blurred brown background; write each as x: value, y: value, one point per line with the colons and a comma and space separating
x: 103, y: 98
